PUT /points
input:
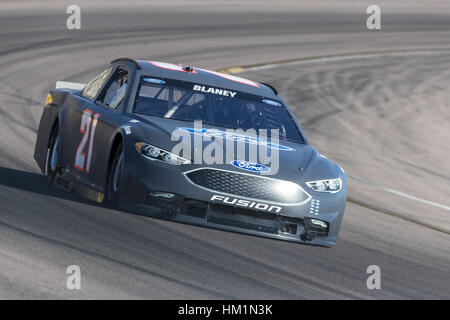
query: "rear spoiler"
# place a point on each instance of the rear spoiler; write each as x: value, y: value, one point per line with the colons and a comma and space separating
x: 69, y: 85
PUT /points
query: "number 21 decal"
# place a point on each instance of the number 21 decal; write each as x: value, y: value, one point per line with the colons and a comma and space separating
x: 81, y: 162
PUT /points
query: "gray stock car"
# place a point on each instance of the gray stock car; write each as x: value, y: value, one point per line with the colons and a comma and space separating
x: 113, y: 140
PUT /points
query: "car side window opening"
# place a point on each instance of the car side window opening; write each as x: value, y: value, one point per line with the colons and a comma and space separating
x: 92, y: 88
x: 116, y: 90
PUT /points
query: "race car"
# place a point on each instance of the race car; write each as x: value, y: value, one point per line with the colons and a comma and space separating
x: 194, y: 146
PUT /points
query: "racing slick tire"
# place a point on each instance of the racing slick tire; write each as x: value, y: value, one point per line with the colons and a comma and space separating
x: 113, y: 180
x: 53, y: 153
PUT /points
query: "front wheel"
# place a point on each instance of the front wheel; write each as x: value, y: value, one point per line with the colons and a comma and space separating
x: 115, y: 171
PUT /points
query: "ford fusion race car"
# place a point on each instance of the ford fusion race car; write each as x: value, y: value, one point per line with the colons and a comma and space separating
x: 175, y: 142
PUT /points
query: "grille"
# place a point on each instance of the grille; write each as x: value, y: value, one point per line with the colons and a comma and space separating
x: 242, y: 218
x: 249, y: 186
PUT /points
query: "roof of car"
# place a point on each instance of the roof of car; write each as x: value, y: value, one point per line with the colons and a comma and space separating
x: 203, y: 77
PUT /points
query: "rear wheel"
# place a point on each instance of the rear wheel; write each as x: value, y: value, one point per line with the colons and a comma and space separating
x: 53, y: 155
x: 115, y: 171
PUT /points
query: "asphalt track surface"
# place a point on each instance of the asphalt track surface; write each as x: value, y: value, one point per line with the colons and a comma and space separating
x: 384, y: 117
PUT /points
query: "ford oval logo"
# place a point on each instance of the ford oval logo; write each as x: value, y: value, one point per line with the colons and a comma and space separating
x: 254, y: 167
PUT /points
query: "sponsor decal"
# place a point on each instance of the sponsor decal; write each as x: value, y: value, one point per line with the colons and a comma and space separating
x: 100, y: 197
x: 154, y: 80
x: 245, y: 203
x: 253, y: 167
x: 235, y: 137
x: 221, y: 92
x: 127, y: 130
x: 272, y: 103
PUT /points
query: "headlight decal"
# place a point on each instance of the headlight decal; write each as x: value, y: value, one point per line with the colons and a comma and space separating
x: 326, y: 185
x: 157, y: 154
x: 314, y: 207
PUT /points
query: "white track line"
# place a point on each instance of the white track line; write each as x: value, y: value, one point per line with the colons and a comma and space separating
x: 401, y: 194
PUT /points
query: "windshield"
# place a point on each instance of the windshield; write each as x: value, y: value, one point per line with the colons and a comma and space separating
x: 187, y: 101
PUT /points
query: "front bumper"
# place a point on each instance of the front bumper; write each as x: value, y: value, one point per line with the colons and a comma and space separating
x: 160, y: 190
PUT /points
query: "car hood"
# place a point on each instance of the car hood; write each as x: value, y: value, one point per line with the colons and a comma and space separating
x: 293, y: 158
